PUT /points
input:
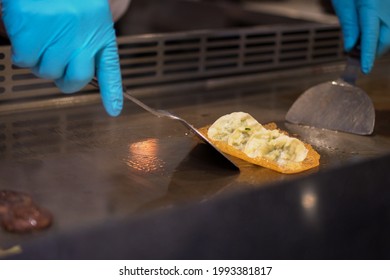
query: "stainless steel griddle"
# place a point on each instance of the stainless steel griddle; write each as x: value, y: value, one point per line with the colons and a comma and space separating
x: 140, y: 187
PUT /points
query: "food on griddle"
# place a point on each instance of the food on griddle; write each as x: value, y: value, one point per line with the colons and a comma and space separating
x: 19, y: 213
x: 12, y: 197
x: 25, y: 218
x: 242, y: 136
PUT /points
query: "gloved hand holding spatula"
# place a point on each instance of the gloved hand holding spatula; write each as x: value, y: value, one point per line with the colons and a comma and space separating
x: 67, y: 41
x: 340, y: 104
x: 368, y: 20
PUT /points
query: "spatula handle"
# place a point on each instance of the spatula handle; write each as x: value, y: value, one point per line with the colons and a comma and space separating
x: 352, y: 68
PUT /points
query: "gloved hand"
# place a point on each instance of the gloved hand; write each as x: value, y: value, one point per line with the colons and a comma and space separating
x: 67, y: 41
x: 368, y: 20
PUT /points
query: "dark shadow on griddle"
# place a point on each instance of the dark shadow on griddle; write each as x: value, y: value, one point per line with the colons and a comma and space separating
x: 197, y: 178
x: 382, y: 123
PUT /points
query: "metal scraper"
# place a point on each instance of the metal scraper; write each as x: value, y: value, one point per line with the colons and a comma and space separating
x: 336, y: 105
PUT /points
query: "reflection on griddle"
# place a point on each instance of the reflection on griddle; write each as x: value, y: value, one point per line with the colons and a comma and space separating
x: 143, y: 156
x: 309, y: 200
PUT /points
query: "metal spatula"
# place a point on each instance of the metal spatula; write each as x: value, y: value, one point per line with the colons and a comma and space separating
x: 336, y: 105
x: 217, y: 155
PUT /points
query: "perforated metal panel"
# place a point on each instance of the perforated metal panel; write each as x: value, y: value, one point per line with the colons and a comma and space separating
x: 192, y: 56
x: 156, y: 59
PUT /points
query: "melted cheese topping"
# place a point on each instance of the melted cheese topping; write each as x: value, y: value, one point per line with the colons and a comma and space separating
x: 244, y: 133
x: 226, y: 125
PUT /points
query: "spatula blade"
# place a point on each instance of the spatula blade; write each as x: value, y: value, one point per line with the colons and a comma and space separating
x: 334, y: 105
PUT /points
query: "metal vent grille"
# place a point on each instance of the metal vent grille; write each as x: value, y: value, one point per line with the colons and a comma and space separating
x: 151, y: 60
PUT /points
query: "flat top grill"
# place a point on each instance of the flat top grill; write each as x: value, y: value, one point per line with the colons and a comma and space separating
x: 138, y: 187
x: 90, y: 169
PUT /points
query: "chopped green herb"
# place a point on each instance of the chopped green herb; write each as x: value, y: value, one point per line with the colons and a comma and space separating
x: 247, y: 128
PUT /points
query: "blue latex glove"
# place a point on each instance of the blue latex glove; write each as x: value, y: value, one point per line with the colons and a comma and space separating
x: 368, y: 20
x: 68, y: 41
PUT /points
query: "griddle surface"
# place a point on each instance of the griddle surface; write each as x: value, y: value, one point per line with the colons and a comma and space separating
x: 89, y: 169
